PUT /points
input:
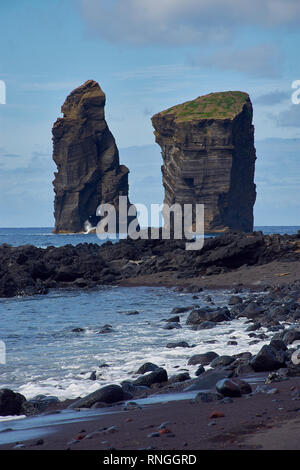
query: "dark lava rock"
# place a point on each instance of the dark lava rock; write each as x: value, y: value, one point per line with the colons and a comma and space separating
x: 235, y: 300
x: 218, y: 316
x: 233, y: 387
x: 268, y: 359
x: 203, y: 359
x: 290, y: 336
x: 93, y: 375
x: 179, y: 344
x: 199, y: 371
x: 181, y: 309
x: 207, y: 380
x: 172, y: 326
x: 28, y: 270
x: 175, y: 319
x: 278, y: 344
x: 228, y: 388
x: 11, y: 403
x: 147, y: 367
x: 205, y: 325
x: 253, y: 310
x: 157, y: 376
x: 182, y: 377
x: 243, y: 369
x: 106, y: 329
x: 207, y: 397
x: 222, y: 361
x: 42, y: 402
x: 107, y: 394
x: 254, y: 327
x: 197, y: 316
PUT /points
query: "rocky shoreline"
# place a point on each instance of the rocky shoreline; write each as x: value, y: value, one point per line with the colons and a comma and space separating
x: 28, y: 270
x: 219, y: 380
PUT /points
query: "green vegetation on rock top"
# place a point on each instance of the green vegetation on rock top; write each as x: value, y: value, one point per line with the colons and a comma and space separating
x: 221, y: 105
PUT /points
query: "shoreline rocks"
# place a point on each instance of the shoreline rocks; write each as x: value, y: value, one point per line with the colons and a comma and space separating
x: 28, y: 270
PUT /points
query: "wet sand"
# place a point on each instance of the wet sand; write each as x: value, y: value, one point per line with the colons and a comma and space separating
x: 250, y: 277
x: 260, y: 422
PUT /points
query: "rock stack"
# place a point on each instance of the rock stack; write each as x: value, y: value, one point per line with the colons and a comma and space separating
x: 209, y: 158
x: 88, y: 167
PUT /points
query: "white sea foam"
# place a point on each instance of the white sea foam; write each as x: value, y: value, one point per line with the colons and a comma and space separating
x: 46, y: 357
x: 10, y: 418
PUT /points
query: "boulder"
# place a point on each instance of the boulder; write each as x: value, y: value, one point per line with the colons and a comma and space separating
x: 204, y: 359
x: 222, y: 361
x: 207, y: 380
x: 157, y: 376
x: 147, y: 367
x: 268, y: 359
x: 233, y: 387
x: 179, y: 344
x: 11, y: 403
x: 107, y: 394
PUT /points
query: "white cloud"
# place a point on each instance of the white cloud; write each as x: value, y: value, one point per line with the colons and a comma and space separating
x: 184, y: 21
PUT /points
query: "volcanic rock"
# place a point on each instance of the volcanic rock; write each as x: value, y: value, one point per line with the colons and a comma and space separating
x: 11, y: 403
x: 204, y: 359
x: 209, y: 157
x: 107, y: 394
x: 268, y: 359
x: 88, y: 168
x: 157, y: 376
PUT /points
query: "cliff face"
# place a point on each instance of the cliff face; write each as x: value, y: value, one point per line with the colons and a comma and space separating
x: 209, y: 158
x: 84, y: 150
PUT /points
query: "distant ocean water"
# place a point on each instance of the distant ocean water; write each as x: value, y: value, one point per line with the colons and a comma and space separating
x: 43, y: 237
x: 44, y: 355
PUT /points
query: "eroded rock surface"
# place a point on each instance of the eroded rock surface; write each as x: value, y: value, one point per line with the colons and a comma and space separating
x: 209, y: 157
x: 88, y: 167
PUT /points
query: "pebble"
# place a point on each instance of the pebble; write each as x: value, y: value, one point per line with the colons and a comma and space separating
x: 164, y: 425
x: 217, y: 414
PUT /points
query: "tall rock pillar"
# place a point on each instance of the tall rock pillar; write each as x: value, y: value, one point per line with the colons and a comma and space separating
x: 209, y: 158
x: 88, y: 167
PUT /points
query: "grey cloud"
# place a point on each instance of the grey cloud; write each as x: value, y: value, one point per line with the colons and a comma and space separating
x: 261, y: 61
x: 183, y: 21
x: 289, y: 117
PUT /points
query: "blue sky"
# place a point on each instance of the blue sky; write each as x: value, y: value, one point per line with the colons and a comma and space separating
x: 147, y: 55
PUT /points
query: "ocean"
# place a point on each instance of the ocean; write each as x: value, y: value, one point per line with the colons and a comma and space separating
x: 44, y: 355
